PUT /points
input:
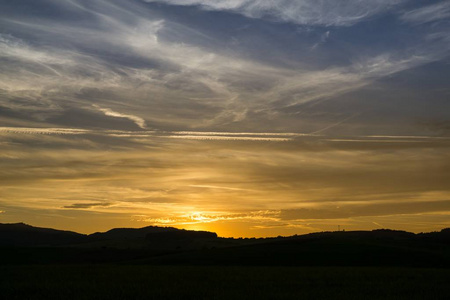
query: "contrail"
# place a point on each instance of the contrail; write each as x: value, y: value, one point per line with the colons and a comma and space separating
x: 336, y: 124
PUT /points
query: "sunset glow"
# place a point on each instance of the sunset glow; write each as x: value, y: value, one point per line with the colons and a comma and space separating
x: 249, y: 118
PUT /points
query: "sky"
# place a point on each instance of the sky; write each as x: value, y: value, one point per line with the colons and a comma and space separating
x: 250, y: 118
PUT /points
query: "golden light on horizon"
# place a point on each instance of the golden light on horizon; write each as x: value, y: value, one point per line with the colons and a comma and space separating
x: 263, y: 189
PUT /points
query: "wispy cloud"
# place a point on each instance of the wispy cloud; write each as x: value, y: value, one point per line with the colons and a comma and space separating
x: 109, y: 112
x: 192, y: 83
x: 316, y: 85
x: 323, y: 40
x: 57, y: 131
x: 201, y: 218
x: 87, y: 205
x: 427, y: 14
x: 228, y: 138
x: 187, y: 135
x: 217, y: 187
x: 183, y: 182
x: 284, y: 134
x: 250, y: 117
x: 381, y: 208
x: 373, y: 141
x: 140, y: 136
x: 306, y: 12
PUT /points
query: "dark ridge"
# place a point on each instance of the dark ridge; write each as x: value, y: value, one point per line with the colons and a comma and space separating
x: 179, y: 235
x: 379, y: 248
x: 21, y: 234
x: 130, y: 233
x: 25, y: 244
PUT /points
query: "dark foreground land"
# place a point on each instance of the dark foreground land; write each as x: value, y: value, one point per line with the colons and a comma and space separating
x: 219, y: 282
x: 166, y: 263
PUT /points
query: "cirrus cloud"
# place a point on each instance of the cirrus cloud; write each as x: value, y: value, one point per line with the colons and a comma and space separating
x: 305, y: 12
x: 109, y: 112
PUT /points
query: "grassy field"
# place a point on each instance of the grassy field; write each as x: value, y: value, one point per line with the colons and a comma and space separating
x: 211, y: 282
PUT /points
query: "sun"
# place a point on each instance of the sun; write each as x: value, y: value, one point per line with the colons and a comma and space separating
x: 199, y: 217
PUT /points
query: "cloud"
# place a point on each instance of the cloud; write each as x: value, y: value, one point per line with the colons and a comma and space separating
x: 137, y: 120
x: 228, y: 138
x: 186, y: 135
x: 174, y: 74
x: 301, y: 217
x: 143, y: 137
x: 323, y: 40
x: 242, y: 112
x: 14, y: 48
x: 186, y: 182
x: 305, y: 12
x: 315, y: 85
x: 87, y: 205
x: 373, y: 141
x: 284, y: 134
x: 427, y: 14
x: 57, y: 131
x: 367, y: 209
x: 201, y: 218
x: 217, y: 187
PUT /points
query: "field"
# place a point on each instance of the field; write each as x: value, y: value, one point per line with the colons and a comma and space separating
x: 115, y: 281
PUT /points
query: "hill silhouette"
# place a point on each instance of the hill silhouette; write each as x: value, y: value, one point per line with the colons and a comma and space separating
x: 21, y: 234
x: 357, y: 248
x: 21, y: 243
x: 150, y: 232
